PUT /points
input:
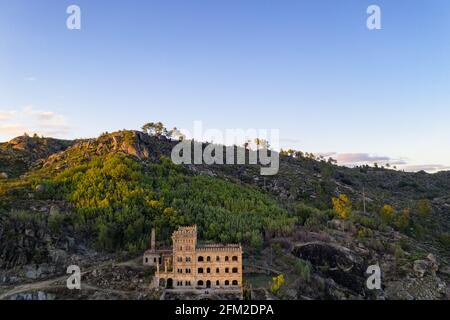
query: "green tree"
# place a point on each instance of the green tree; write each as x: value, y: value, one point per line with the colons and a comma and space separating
x: 424, y: 208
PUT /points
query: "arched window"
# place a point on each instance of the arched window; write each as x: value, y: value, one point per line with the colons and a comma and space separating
x: 235, y: 282
x: 208, y: 270
x: 200, y: 283
x: 200, y: 259
x: 200, y: 270
x: 217, y: 283
x: 217, y: 258
x: 217, y: 270
x: 227, y: 258
x: 227, y: 270
x: 227, y: 283
x: 208, y: 259
x: 235, y: 270
x: 235, y: 258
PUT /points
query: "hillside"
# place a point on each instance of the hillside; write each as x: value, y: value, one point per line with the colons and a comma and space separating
x: 91, y: 200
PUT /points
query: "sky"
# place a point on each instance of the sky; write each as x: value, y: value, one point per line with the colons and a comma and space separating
x: 311, y: 69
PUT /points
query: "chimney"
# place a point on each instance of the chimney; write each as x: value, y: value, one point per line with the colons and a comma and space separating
x: 153, y: 241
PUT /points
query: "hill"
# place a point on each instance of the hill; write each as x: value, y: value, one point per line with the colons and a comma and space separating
x: 95, y: 199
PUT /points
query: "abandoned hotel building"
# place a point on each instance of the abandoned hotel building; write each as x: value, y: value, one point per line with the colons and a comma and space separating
x: 192, y: 266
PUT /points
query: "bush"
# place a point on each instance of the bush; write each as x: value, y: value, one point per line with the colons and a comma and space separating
x: 303, y: 269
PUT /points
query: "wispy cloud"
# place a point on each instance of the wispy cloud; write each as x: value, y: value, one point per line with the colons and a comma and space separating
x: 431, y: 168
x: 357, y: 159
x: 32, y: 120
x: 353, y: 159
x: 6, y: 115
x: 30, y: 78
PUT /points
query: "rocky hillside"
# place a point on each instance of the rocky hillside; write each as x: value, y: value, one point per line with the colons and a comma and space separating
x: 97, y: 199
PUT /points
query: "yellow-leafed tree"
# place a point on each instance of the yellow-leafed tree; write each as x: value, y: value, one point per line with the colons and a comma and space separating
x: 387, y: 213
x: 342, y: 206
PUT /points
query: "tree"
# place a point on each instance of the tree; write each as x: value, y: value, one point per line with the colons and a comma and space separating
x: 176, y: 134
x: 342, y: 206
x: 155, y: 129
x: 387, y: 213
x: 261, y: 143
x: 424, y: 208
x: 299, y: 154
x: 276, y: 284
x: 403, y: 219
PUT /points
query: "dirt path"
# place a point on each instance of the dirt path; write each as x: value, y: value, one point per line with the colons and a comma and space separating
x: 51, y: 282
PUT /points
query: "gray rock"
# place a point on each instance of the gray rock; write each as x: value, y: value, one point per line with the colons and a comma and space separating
x: 420, y: 268
x: 32, y: 272
x: 54, y: 210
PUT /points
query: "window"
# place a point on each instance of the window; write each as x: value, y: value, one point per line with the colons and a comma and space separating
x: 187, y: 283
x: 208, y: 270
x: 154, y: 260
x: 180, y: 270
x: 235, y: 282
x: 179, y: 259
x: 217, y: 258
x: 235, y: 270
x: 208, y: 259
x: 188, y: 259
x: 200, y: 283
x: 217, y: 270
x: 227, y: 258
x: 235, y: 258
x: 217, y: 283
x: 146, y: 260
x: 188, y: 270
x: 200, y: 270
x: 181, y: 248
x: 200, y: 259
x: 227, y: 270
x: 227, y: 283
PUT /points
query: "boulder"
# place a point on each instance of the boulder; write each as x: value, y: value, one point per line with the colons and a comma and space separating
x: 420, y: 268
x: 341, y: 264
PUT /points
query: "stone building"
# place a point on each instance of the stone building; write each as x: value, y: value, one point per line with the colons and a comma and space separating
x: 193, y: 266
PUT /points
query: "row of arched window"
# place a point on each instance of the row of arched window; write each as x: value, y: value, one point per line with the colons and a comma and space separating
x: 208, y: 283
x: 208, y: 270
x: 201, y: 283
x: 208, y: 258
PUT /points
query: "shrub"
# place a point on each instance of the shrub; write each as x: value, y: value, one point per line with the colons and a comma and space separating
x: 342, y: 206
x: 303, y: 269
x: 276, y: 284
x: 387, y: 213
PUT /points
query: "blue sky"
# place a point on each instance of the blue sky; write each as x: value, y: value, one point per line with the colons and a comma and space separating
x: 309, y: 68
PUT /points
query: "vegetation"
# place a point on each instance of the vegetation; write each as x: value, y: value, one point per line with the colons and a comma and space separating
x: 342, y: 206
x: 387, y: 213
x: 276, y: 284
x: 117, y: 201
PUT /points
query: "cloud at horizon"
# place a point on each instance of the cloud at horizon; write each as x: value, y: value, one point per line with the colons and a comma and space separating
x: 30, y: 120
x: 358, y: 159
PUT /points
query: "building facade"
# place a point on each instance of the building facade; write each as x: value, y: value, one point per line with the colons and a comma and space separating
x: 193, y: 266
